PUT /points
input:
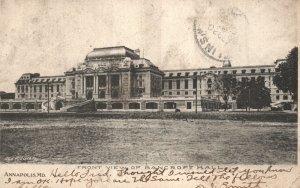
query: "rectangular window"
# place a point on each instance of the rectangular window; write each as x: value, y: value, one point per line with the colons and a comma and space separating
x: 285, y: 97
x: 178, y: 92
x: 73, y: 83
x: 186, y: 93
x: 90, y: 81
x: 163, y: 85
x: 34, y: 88
x: 102, y: 81
x: 277, y: 97
x: 194, y: 83
x: 209, y: 92
x: 22, y: 88
x: 252, y: 71
x: 186, y: 84
x: 234, y: 72
x: 170, y: 93
x: 262, y: 70
x: 243, y: 71
x: 170, y: 84
x: 178, y: 84
x: 57, y: 88
x: 225, y: 72
x: 140, y: 81
x: 26, y: 89
x: 41, y: 88
x: 189, y: 105
x: 51, y: 88
x: 46, y: 88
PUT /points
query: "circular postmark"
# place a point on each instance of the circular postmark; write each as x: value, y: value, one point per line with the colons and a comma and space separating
x: 217, y: 32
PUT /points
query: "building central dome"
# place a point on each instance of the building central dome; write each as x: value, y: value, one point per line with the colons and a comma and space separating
x: 112, y: 52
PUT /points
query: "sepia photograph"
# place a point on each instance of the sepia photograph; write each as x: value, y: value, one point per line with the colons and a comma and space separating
x: 200, y: 82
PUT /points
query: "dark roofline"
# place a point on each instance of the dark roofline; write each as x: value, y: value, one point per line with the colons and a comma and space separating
x: 49, y: 76
x: 199, y: 69
x: 110, y: 47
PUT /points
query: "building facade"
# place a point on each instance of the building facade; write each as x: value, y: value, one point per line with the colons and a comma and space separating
x: 118, y: 78
x: 183, y: 83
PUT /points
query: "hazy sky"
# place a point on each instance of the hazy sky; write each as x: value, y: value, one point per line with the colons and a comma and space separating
x: 51, y: 37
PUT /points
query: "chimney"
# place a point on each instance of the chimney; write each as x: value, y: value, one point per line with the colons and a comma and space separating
x: 137, y: 51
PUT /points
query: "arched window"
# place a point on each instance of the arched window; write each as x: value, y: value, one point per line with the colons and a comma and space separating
x: 151, y: 105
x: 4, y: 106
x: 117, y: 106
x: 134, y: 106
x: 29, y: 106
x: 102, y: 94
x: 170, y: 105
x: 209, y: 82
x: 17, y: 106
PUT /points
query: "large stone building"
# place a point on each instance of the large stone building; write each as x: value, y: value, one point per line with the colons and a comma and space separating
x: 183, y: 83
x: 118, y: 78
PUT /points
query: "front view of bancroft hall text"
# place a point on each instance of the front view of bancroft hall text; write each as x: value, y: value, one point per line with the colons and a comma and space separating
x: 196, y: 94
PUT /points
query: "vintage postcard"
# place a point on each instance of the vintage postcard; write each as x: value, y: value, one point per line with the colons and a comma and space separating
x: 137, y: 93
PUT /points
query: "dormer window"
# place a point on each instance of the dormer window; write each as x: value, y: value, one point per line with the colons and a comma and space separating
x: 187, y: 74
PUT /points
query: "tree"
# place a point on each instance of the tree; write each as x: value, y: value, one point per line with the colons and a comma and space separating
x: 287, y: 74
x: 226, y: 85
x: 253, y: 94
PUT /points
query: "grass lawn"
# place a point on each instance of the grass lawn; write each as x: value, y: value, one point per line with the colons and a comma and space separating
x: 147, y: 141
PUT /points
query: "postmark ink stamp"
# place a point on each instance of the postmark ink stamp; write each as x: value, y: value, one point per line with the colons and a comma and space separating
x: 217, y: 32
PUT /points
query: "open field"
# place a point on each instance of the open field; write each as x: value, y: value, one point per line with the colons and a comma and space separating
x: 146, y: 141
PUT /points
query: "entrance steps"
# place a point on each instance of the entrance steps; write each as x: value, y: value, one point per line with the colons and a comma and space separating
x: 85, y: 106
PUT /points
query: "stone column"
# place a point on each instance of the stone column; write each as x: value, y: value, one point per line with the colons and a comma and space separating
x: 95, y: 93
x: 129, y: 94
x: 161, y: 105
x: 10, y: 105
x: 97, y: 85
x: 29, y: 92
x: 125, y: 105
x: 83, y: 87
x: 108, y: 87
x: 143, y: 105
